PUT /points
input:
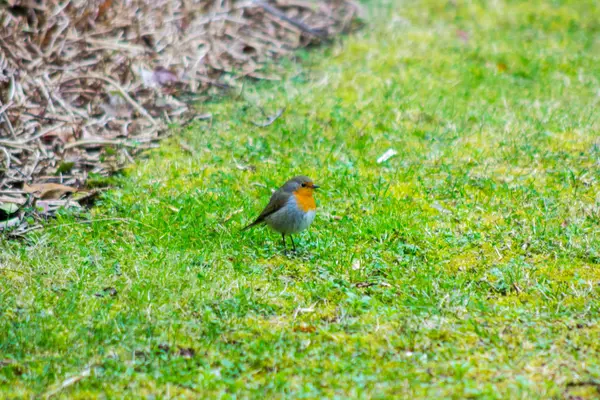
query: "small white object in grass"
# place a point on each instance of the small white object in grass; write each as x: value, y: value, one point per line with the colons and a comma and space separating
x: 356, y: 264
x: 386, y: 156
x: 441, y: 208
x: 301, y: 310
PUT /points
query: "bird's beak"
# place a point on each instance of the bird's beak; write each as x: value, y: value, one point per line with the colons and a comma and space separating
x: 316, y: 186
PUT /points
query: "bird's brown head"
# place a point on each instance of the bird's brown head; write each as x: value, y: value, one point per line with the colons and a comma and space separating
x: 300, y: 183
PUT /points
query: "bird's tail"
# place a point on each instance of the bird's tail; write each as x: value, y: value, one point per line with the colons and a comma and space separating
x: 251, y: 225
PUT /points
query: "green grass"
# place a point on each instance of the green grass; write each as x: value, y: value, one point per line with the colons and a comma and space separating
x: 467, y: 266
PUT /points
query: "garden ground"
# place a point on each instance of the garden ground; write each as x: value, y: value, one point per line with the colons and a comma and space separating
x: 467, y: 265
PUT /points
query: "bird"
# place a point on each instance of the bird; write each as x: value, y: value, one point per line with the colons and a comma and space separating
x: 291, y: 209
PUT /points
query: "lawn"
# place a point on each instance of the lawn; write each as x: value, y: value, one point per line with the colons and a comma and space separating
x: 465, y: 266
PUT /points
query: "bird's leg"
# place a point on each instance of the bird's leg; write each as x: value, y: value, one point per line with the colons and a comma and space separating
x: 283, y: 236
x: 293, y: 244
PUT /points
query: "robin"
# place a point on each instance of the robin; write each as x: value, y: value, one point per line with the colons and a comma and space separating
x: 292, y: 208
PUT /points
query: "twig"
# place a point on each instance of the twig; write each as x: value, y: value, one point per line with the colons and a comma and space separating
x: 46, y: 94
x: 300, y: 25
x: 8, y: 123
x: 12, y: 191
x: 97, y: 142
x: 186, y: 147
x: 5, y: 107
x: 18, y: 143
x: 35, y: 164
x: 52, y: 119
x: 271, y: 119
x: 69, y: 382
x: 7, y: 156
x: 517, y: 288
x: 26, y: 231
x: 125, y: 95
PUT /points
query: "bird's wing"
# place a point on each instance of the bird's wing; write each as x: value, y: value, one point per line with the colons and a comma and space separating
x: 278, y: 200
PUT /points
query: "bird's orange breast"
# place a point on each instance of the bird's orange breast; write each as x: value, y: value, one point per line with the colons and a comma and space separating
x: 305, y: 199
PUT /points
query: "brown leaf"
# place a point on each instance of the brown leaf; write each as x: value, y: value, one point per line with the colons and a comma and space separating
x: 48, y: 191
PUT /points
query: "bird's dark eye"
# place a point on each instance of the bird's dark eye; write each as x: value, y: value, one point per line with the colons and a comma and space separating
x: 304, y: 185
